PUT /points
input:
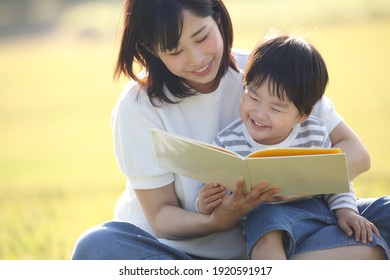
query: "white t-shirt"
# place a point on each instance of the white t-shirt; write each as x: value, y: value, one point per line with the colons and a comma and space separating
x: 199, y: 117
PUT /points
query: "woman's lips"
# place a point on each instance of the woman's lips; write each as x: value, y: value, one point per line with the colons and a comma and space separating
x: 203, y: 71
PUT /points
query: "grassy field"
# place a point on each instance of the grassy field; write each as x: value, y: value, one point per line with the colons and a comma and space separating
x: 58, y: 174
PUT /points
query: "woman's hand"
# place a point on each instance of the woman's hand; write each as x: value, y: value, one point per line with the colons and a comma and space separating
x: 238, y: 204
x: 168, y: 220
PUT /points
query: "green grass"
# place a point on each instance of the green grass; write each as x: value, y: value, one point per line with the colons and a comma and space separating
x: 58, y: 174
x: 58, y: 171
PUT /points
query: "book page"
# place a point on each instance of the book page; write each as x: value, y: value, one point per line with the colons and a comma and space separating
x: 196, y: 160
x: 301, y: 175
x: 278, y: 152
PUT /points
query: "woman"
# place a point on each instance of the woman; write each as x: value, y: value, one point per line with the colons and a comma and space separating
x: 191, y: 86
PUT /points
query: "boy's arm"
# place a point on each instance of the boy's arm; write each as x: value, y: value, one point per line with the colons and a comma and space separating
x: 342, y: 200
x: 345, y: 208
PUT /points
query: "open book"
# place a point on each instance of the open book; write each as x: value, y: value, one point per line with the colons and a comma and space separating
x: 296, y: 171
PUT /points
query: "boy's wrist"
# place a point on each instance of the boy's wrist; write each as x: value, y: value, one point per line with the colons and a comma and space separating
x: 340, y: 211
x: 196, y: 204
x: 199, y: 209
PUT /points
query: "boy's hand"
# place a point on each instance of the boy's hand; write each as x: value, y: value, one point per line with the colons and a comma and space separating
x: 351, y: 222
x: 238, y: 204
x: 210, y: 196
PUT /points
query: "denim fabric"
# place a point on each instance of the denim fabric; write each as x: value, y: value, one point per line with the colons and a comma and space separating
x: 122, y: 241
x: 310, y: 225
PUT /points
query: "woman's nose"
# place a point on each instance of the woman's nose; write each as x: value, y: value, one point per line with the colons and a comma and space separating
x: 196, y: 56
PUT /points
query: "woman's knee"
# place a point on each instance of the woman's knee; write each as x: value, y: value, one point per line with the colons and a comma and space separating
x: 89, y: 244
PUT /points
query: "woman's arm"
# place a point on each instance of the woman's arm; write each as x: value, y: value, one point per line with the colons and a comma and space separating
x: 168, y: 220
x: 358, y: 157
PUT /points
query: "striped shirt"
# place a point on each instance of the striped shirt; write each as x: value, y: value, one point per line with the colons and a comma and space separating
x: 311, y: 133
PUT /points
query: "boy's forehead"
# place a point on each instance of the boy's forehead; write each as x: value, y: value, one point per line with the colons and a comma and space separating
x: 269, y: 86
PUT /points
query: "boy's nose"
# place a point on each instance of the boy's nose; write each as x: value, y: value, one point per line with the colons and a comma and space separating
x: 261, y: 114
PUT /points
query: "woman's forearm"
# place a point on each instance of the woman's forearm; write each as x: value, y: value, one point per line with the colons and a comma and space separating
x: 358, y: 157
x: 168, y: 220
x: 176, y: 223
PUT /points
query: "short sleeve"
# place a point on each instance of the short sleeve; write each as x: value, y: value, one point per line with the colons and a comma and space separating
x: 325, y: 110
x: 131, y: 121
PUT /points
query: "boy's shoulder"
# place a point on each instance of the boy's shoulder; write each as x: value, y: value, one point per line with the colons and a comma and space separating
x: 231, y: 135
x: 233, y: 128
x: 313, y: 123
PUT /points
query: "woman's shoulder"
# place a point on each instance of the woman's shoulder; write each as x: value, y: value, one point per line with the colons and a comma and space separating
x: 133, y: 101
x: 241, y: 56
x: 133, y: 94
x: 325, y: 110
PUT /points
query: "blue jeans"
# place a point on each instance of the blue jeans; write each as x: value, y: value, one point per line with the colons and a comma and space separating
x: 124, y: 241
x: 310, y: 225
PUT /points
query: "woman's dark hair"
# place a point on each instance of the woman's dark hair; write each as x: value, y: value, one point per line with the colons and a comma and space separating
x: 292, y: 66
x: 157, y: 24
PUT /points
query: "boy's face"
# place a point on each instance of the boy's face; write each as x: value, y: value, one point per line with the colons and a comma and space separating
x: 268, y: 119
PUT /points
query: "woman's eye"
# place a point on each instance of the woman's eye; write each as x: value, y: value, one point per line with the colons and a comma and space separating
x: 203, y: 39
x: 174, y: 53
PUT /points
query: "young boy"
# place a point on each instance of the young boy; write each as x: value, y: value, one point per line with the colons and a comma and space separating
x: 284, y: 78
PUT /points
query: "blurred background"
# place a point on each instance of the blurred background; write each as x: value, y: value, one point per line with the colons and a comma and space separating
x: 58, y: 174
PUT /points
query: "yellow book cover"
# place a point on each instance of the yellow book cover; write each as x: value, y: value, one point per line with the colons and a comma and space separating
x: 296, y: 171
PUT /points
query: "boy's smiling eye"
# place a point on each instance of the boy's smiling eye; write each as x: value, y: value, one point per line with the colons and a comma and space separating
x: 253, y: 97
x: 276, y: 109
x: 250, y: 93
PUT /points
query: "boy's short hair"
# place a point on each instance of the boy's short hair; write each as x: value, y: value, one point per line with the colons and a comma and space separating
x: 292, y: 66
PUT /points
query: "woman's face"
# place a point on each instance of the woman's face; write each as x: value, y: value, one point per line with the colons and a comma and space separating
x: 199, y: 53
